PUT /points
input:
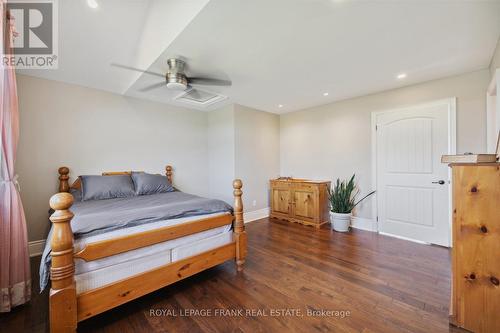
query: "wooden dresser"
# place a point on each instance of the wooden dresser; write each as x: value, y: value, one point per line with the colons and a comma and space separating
x: 300, y: 200
x: 475, y: 299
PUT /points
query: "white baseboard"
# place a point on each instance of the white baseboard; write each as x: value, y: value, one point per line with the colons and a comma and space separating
x: 363, y: 223
x: 405, y: 238
x: 256, y: 215
x: 36, y: 247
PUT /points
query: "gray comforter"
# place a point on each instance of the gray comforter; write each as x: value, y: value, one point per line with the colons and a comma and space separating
x: 99, y: 216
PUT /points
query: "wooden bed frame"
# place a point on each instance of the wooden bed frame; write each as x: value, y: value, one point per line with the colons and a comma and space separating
x: 67, y: 308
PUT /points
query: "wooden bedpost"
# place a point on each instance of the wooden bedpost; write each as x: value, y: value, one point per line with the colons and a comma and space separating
x: 62, y: 299
x: 168, y: 172
x: 63, y: 179
x: 239, y: 226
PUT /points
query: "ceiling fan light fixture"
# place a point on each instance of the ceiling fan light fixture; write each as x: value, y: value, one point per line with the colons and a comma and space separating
x: 176, y: 86
x: 175, y: 78
x: 176, y: 81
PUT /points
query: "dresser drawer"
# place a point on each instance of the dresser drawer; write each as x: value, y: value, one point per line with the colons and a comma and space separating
x: 305, y: 187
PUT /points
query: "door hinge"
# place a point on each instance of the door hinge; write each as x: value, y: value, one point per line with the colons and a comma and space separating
x: 376, y: 127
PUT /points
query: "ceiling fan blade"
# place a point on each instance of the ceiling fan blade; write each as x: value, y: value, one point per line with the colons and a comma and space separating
x: 153, y: 86
x: 209, y: 81
x: 137, y: 70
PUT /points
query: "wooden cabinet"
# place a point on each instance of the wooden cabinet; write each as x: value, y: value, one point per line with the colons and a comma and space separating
x: 300, y: 200
x: 475, y: 300
x: 280, y: 201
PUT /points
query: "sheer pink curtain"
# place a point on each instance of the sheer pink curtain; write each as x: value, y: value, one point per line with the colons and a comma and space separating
x: 15, y: 284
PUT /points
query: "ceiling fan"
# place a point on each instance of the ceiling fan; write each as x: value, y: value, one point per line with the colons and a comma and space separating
x: 175, y: 77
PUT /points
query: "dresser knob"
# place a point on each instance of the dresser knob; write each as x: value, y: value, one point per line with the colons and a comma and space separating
x: 494, y: 280
x: 483, y: 229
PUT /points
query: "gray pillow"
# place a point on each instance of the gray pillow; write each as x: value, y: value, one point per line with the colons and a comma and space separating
x: 146, y: 183
x: 106, y: 187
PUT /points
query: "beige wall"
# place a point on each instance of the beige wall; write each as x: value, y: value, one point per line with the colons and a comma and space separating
x: 334, y: 140
x: 92, y: 131
x: 243, y: 143
x: 495, y: 60
x: 257, y: 157
x: 221, y: 146
x: 493, y: 102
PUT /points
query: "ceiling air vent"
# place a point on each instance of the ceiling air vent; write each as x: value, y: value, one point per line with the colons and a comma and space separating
x: 199, y: 97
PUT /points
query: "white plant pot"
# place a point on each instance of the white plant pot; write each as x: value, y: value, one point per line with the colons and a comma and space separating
x: 340, y: 221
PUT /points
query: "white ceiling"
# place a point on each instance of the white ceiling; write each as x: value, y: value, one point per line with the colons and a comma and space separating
x: 131, y: 32
x: 285, y: 52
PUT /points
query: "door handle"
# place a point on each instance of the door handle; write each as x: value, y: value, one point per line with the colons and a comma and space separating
x: 440, y: 182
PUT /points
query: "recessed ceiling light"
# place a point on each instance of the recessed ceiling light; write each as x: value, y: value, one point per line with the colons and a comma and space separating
x: 280, y: 105
x: 92, y: 4
x: 401, y: 76
x: 325, y: 94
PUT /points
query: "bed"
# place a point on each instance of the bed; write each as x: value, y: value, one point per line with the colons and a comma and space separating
x: 104, y: 253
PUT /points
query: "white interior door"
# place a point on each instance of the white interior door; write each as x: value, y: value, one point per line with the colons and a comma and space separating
x: 412, y: 183
x: 493, y: 114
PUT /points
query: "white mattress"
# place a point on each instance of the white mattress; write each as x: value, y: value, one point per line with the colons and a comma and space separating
x: 98, y: 273
x: 82, y: 266
x: 101, y: 277
x: 202, y: 245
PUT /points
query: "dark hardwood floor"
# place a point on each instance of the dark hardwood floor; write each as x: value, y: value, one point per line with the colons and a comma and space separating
x: 383, y: 284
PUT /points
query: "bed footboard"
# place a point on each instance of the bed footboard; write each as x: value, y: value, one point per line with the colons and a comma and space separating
x: 67, y: 308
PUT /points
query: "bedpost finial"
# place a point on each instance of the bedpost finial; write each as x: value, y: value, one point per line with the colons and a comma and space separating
x: 61, y: 201
x: 168, y: 172
x: 237, y: 184
x: 63, y: 171
x: 63, y: 179
x: 238, y: 205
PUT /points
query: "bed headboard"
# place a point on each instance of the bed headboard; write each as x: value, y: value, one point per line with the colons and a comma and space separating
x: 64, y: 177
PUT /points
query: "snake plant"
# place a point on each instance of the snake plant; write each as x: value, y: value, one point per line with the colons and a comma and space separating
x: 343, y: 196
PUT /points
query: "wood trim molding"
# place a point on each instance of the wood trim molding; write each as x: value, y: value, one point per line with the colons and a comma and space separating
x: 77, y: 184
x: 109, y: 247
x: 117, y: 173
x: 98, y: 300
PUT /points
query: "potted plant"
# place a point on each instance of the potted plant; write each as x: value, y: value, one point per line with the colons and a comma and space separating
x: 342, y: 202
